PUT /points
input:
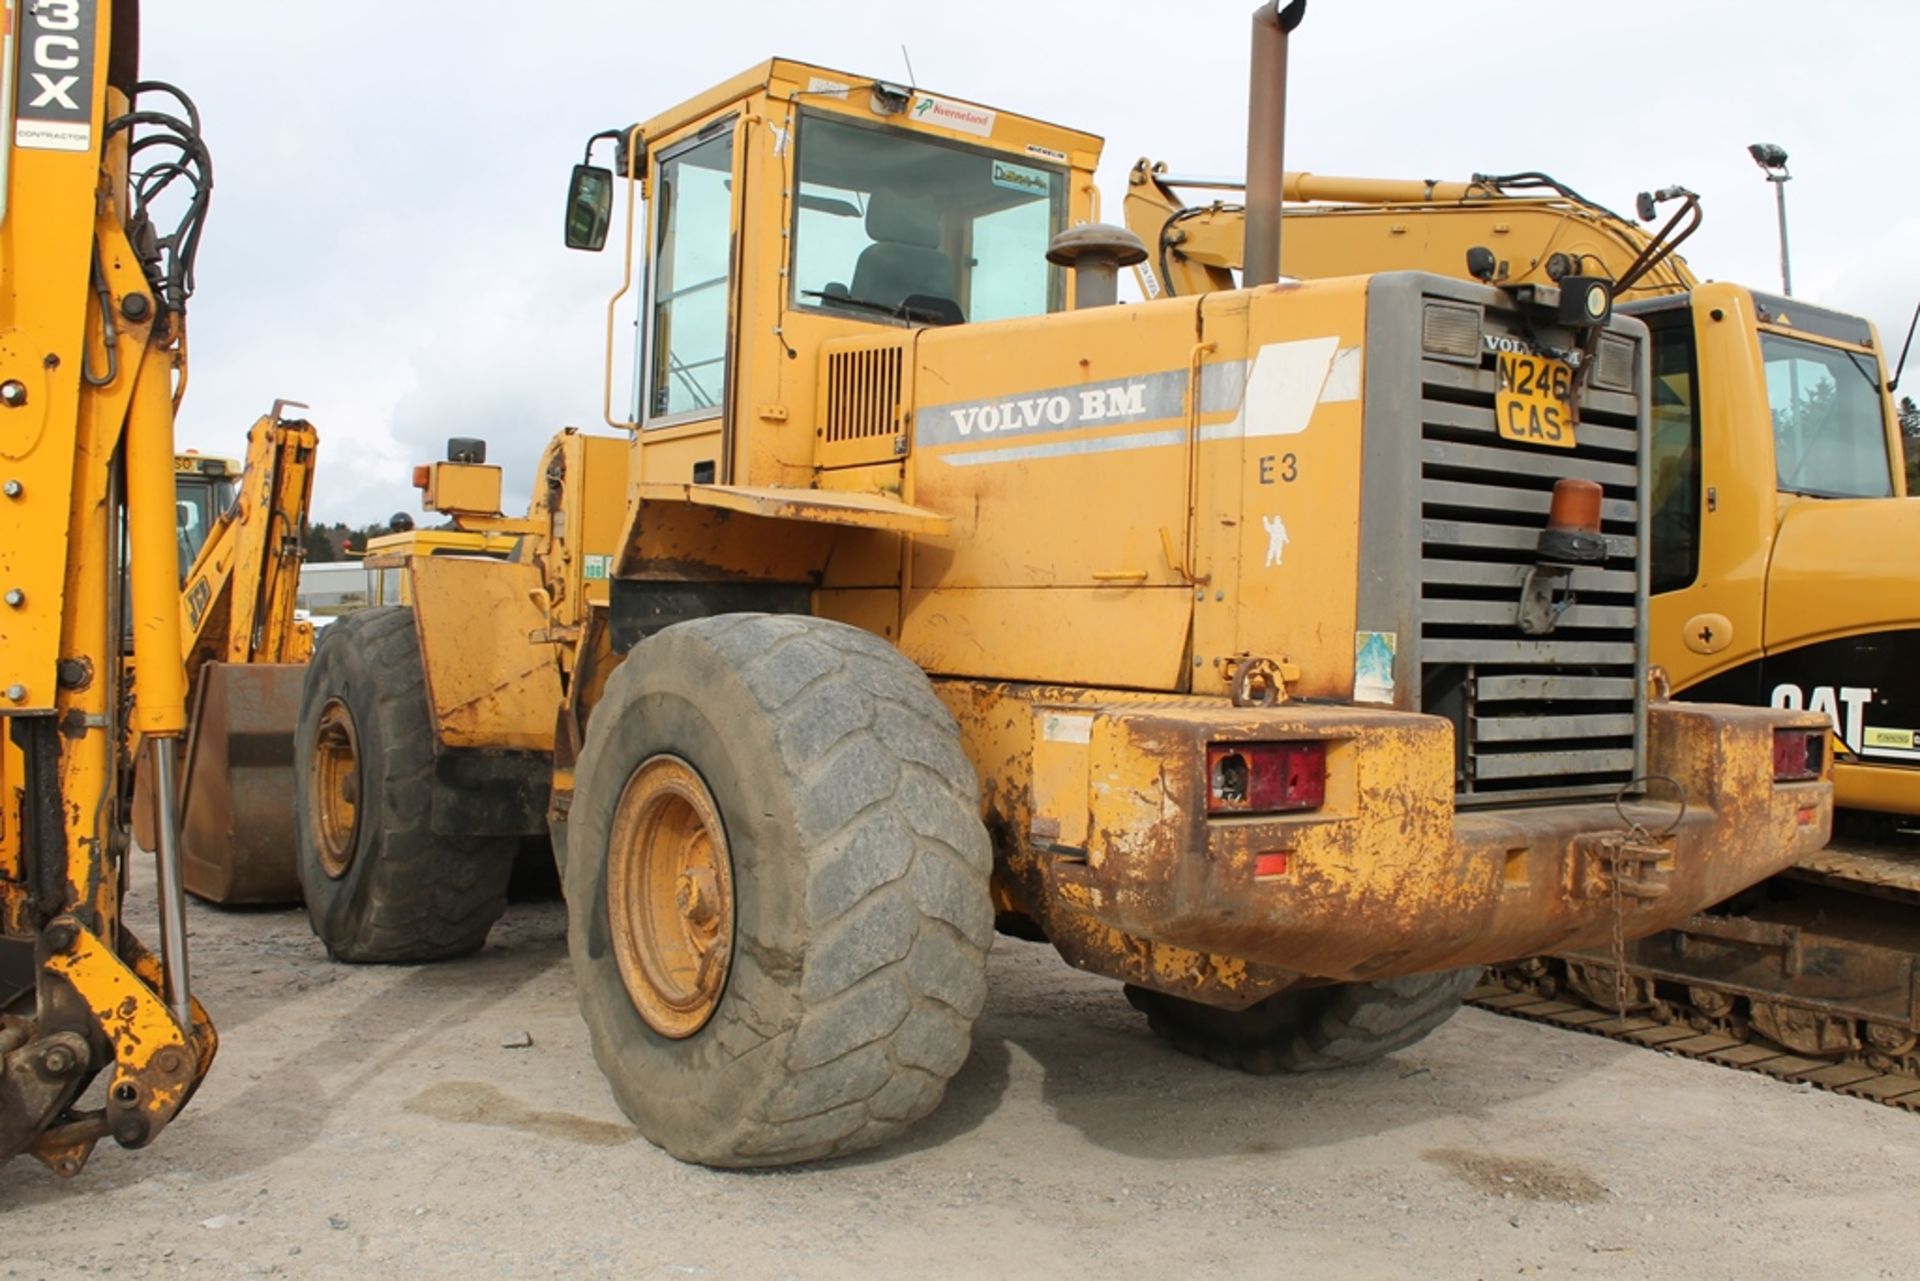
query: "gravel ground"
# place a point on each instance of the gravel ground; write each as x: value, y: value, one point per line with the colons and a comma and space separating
x: 387, y: 1122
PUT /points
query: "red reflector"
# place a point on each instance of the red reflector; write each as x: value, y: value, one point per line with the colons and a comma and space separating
x: 1798, y: 754
x: 1266, y: 778
x: 1274, y: 864
x: 1806, y: 816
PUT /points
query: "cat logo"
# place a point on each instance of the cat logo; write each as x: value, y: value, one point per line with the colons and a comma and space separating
x: 1826, y: 698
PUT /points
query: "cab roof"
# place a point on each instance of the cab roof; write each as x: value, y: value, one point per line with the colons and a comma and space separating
x: 935, y: 113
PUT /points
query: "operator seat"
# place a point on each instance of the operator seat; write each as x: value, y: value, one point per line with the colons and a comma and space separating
x: 904, y: 258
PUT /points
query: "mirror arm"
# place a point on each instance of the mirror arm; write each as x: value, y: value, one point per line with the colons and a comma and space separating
x: 634, y: 148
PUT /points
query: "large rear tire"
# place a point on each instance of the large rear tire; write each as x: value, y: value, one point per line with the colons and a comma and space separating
x: 776, y: 889
x: 1312, y: 1029
x: 380, y: 884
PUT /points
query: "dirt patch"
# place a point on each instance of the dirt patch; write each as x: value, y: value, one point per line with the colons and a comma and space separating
x: 1526, y: 1177
x: 476, y: 1103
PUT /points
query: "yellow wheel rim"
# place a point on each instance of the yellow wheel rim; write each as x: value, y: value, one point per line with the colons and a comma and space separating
x: 334, y: 781
x: 670, y: 896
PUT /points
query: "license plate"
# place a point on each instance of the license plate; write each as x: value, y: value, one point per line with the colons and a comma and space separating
x: 1532, y: 404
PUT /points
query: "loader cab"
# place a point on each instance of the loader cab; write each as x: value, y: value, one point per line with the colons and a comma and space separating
x: 794, y: 207
x: 203, y: 489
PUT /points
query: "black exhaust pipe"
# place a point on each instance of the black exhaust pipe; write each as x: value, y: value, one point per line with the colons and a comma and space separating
x: 1266, y: 136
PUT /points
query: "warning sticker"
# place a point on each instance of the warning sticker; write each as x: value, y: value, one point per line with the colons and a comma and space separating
x: 1373, y: 666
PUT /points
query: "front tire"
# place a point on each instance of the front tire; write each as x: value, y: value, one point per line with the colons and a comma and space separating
x: 1311, y: 1029
x: 380, y: 884
x: 777, y: 890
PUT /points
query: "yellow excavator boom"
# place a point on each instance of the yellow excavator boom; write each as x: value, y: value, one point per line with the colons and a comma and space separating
x: 1338, y: 226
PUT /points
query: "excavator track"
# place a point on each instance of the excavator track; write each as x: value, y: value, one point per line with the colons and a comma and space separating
x: 1813, y: 978
x: 1895, y: 1089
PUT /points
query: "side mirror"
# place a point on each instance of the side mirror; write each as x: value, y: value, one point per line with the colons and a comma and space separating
x: 589, y: 207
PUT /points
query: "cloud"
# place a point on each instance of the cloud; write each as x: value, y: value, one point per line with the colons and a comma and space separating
x: 384, y: 240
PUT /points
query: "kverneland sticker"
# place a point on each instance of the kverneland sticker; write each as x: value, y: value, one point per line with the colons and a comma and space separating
x: 949, y: 114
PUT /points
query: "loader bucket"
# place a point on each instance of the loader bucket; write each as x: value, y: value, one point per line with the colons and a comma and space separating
x: 236, y: 802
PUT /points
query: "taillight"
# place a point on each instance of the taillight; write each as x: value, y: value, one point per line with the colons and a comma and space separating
x: 1266, y: 778
x: 422, y: 474
x: 1798, y: 754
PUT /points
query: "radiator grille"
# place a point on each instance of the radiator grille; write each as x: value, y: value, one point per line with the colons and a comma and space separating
x: 863, y: 394
x: 1557, y: 714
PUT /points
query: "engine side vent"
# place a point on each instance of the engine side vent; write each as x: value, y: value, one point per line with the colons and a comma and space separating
x: 863, y: 395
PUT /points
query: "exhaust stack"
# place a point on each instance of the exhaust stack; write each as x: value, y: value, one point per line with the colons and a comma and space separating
x: 1266, y: 134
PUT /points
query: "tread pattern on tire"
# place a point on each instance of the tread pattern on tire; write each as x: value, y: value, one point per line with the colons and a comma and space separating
x: 870, y: 1017
x: 1341, y: 1025
x: 411, y: 894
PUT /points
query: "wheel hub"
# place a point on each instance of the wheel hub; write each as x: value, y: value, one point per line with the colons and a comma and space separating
x: 334, y: 782
x: 670, y: 899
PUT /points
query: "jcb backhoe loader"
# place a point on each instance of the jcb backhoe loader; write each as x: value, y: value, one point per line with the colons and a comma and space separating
x: 246, y: 654
x: 1782, y: 571
x: 105, y: 191
x: 934, y: 600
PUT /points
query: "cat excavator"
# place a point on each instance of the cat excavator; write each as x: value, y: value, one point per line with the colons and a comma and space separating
x: 1782, y: 575
x: 105, y: 188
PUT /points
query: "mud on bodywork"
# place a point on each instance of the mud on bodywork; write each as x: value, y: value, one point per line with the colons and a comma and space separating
x: 1097, y: 803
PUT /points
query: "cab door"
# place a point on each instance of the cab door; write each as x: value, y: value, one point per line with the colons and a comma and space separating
x: 1711, y: 490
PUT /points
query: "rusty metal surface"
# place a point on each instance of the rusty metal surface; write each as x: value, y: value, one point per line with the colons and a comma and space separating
x: 236, y: 829
x: 489, y: 682
x: 1866, y: 865
x: 1386, y: 878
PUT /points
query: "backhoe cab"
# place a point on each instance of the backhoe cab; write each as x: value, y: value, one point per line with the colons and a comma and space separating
x: 913, y: 600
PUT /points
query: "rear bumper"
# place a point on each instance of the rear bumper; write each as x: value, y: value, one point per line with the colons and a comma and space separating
x: 1113, y: 854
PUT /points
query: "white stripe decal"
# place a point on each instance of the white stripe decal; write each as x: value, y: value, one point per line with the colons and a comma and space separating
x: 1065, y: 448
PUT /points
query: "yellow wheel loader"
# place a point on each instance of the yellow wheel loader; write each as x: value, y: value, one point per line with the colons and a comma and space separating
x: 925, y: 591
x: 1782, y: 573
x: 105, y: 192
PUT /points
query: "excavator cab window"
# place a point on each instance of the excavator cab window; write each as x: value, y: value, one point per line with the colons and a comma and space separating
x: 896, y: 225
x: 1829, y: 433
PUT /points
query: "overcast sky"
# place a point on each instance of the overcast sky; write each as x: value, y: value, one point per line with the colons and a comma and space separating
x: 384, y: 238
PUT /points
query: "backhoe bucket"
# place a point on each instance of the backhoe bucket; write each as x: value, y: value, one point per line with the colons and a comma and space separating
x: 236, y: 807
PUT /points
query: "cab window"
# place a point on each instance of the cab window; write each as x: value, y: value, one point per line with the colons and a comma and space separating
x: 891, y: 225
x: 1675, y: 455
x: 691, y: 260
x: 1829, y: 433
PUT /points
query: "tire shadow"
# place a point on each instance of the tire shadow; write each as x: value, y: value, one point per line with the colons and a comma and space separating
x: 1126, y: 1091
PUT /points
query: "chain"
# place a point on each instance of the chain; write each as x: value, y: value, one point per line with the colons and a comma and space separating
x: 1636, y: 837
